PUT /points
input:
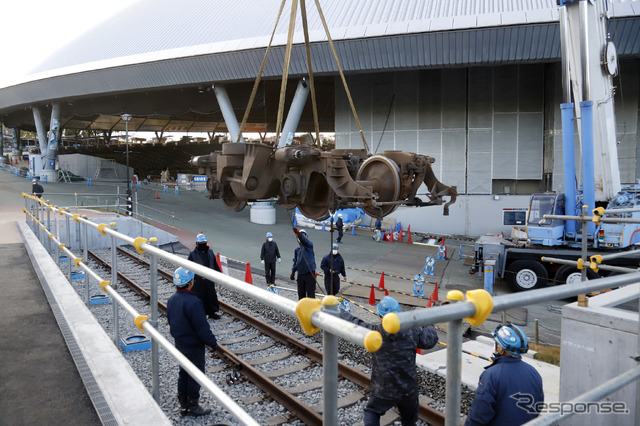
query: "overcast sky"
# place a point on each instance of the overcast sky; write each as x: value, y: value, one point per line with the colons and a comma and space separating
x: 31, y: 29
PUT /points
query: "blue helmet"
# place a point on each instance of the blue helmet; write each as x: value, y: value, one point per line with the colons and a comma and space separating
x: 182, y: 277
x: 388, y: 304
x: 201, y: 238
x: 335, y: 246
x: 269, y: 235
x: 302, y: 231
x: 511, y: 338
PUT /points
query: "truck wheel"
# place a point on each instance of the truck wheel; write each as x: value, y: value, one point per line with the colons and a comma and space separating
x: 568, y: 274
x: 525, y: 275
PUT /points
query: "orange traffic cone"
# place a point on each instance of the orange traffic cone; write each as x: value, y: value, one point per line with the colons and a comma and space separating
x: 400, y: 234
x: 218, y: 260
x: 409, y: 233
x: 247, y: 275
x: 419, y: 351
x: 11, y: 161
x: 372, y: 297
x: 429, y: 302
x: 445, y: 248
x: 156, y: 197
x: 381, y: 284
x: 434, y: 295
x: 386, y: 292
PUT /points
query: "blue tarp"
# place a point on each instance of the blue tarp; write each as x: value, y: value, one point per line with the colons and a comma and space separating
x: 349, y: 217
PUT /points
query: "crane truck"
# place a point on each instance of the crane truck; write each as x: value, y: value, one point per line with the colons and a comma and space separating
x: 589, y: 61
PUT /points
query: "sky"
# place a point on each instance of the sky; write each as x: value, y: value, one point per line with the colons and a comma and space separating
x: 30, y: 30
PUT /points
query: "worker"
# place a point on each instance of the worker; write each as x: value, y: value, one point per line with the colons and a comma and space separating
x: 496, y: 401
x: 36, y: 188
x: 203, y: 287
x: 333, y: 265
x: 268, y: 256
x: 394, y: 381
x: 304, y: 263
x: 189, y: 327
x: 377, y: 232
x: 340, y: 228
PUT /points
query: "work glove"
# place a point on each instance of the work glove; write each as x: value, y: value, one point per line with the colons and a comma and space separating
x: 262, y: 261
x: 295, y: 231
x: 279, y: 259
x: 293, y: 275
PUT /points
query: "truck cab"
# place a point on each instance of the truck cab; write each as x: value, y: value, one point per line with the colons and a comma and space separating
x: 547, y: 232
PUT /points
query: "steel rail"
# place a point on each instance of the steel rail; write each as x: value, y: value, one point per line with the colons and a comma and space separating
x: 286, y: 399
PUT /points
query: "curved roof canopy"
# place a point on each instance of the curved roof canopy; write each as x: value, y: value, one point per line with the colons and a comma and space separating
x: 158, y: 58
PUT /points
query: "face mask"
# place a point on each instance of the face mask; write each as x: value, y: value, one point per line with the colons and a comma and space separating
x: 334, y: 252
x: 269, y: 239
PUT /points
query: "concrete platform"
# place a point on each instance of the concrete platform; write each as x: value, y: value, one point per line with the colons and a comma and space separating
x: 58, y: 365
x: 473, y: 366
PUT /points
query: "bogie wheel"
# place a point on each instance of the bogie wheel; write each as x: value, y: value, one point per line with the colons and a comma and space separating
x: 523, y: 275
x: 384, y: 174
x: 568, y: 274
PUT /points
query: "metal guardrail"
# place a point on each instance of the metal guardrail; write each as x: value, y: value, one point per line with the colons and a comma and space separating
x: 312, y: 316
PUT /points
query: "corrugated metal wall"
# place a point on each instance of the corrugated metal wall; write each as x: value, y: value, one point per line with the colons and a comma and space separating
x: 480, y: 124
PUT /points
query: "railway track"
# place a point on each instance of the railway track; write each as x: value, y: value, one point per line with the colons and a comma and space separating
x: 275, y: 355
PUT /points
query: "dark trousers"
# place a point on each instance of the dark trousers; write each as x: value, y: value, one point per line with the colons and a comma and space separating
x: 187, y: 385
x: 336, y: 284
x: 306, y: 285
x: 206, y: 291
x: 376, y: 407
x: 340, y: 234
x: 270, y: 272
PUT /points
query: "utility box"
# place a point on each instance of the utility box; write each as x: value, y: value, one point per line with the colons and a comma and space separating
x: 599, y: 342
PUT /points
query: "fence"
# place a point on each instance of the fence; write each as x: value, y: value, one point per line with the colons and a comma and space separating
x: 314, y: 316
x: 475, y: 307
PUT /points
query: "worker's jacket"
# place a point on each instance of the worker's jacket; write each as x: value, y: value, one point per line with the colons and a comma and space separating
x: 204, y: 258
x: 393, y: 369
x: 507, y: 393
x: 269, y: 252
x: 304, y: 259
x: 188, y: 322
x: 338, y: 268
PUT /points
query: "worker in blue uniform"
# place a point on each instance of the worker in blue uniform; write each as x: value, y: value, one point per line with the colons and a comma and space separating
x: 394, y: 380
x: 269, y: 254
x: 333, y: 265
x: 189, y: 327
x: 203, y: 287
x: 304, y: 263
x: 509, y: 389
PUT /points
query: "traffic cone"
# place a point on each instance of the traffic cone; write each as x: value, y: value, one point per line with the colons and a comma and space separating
x: 429, y: 302
x: 409, y: 232
x: 247, y: 275
x: 156, y: 197
x: 218, y: 260
x: 353, y: 229
x: 400, y: 237
x: 10, y: 161
x: 445, y: 248
x: 419, y: 351
x: 434, y: 295
x: 381, y: 283
x: 372, y: 297
x: 386, y: 292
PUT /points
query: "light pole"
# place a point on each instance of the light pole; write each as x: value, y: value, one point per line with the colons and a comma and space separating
x: 126, y: 118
